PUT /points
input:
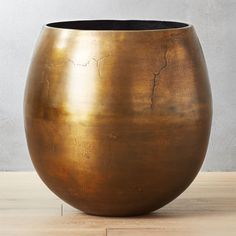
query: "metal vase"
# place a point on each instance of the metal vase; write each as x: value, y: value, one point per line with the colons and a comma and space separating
x: 117, y: 113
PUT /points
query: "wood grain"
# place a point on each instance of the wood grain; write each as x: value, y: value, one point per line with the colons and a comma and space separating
x: 207, y: 207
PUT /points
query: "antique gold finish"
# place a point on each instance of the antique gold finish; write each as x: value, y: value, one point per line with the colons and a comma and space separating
x: 118, y: 113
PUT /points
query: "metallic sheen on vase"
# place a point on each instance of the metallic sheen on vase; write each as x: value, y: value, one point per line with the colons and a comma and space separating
x: 117, y: 113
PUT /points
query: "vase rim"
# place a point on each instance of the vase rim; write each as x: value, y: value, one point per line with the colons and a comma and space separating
x: 111, y: 25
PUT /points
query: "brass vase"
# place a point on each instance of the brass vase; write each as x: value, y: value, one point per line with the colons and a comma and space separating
x: 117, y: 113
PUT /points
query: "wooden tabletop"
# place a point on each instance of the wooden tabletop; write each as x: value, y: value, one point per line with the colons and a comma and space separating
x: 207, y: 207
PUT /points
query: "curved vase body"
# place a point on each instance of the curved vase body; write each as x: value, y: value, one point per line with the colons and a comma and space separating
x: 117, y: 120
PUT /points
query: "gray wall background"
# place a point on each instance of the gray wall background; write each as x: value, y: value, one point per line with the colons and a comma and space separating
x: 20, y: 25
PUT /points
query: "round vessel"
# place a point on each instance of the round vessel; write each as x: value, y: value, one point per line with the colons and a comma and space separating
x: 117, y: 113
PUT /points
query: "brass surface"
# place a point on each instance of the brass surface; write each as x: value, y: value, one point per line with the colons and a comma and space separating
x: 117, y: 121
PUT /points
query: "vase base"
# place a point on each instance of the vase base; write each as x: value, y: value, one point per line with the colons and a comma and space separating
x: 139, y: 214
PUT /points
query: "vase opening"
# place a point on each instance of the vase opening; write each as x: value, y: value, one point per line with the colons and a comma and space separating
x: 125, y: 25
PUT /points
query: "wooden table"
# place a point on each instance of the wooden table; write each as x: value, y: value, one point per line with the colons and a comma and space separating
x: 207, y: 207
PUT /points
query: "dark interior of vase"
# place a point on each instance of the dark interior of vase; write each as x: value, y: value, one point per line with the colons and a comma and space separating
x: 117, y: 25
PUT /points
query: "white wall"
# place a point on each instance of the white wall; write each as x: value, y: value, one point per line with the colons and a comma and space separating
x: 20, y: 24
